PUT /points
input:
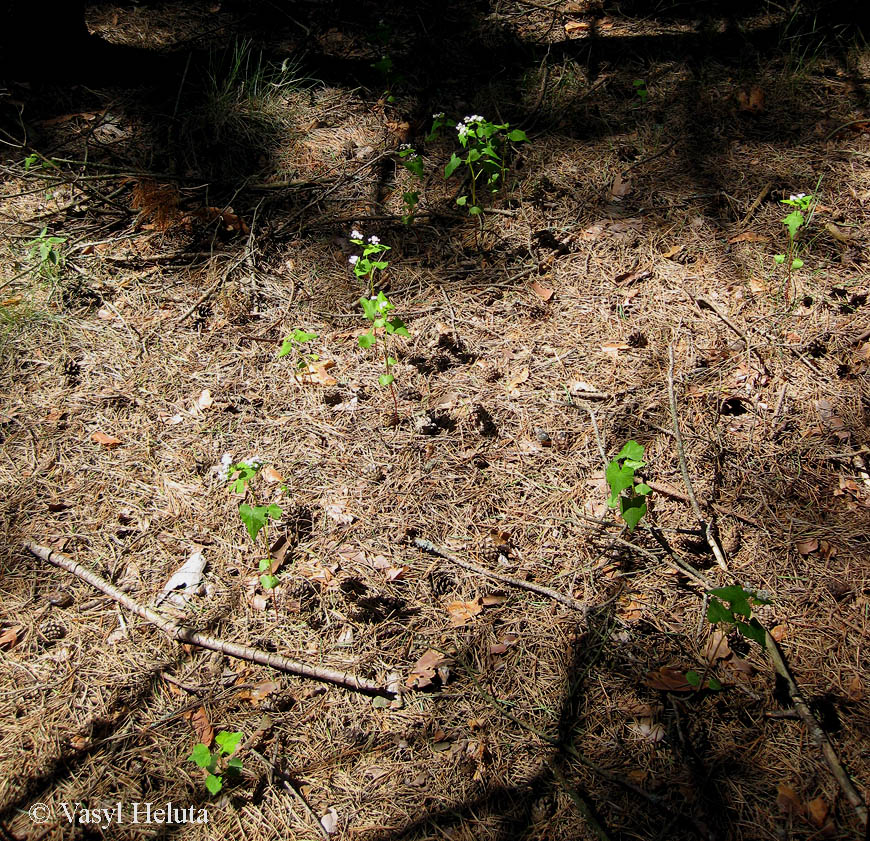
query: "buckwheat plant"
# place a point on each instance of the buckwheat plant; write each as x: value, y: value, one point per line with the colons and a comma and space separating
x: 411, y: 160
x: 801, y: 204
x: 219, y: 763
x: 365, y: 266
x: 292, y: 344
x: 485, y: 146
x: 624, y: 493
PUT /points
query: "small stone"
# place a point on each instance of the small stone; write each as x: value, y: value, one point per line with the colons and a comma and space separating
x: 543, y: 437
x: 59, y: 598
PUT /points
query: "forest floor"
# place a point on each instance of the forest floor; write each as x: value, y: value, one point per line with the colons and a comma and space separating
x: 161, y: 241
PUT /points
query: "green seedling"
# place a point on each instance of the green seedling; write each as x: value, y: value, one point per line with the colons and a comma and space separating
x: 411, y: 199
x: 219, y: 763
x: 694, y: 679
x: 239, y: 474
x: 46, y: 252
x: 731, y: 607
x: 256, y: 517
x: 268, y: 580
x: 641, y: 90
x: 485, y: 148
x: 293, y: 343
x: 375, y: 309
x: 800, y: 204
x: 365, y: 266
x: 624, y: 493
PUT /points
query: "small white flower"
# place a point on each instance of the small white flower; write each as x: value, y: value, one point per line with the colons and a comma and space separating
x: 374, y: 240
x: 353, y: 260
x: 438, y: 116
x: 798, y: 197
x: 227, y: 458
x: 355, y: 234
x: 463, y: 130
x: 404, y: 146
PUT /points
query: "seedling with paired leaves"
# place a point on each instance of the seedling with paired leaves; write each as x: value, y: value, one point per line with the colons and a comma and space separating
x: 801, y: 204
x: 365, y: 265
x: 293, y: 343
x: 46, y: 252
x: 641, y: 90
x: 376, y: 309
x: 219, y: 762
x: 485, y: 149
x: 624, y: 493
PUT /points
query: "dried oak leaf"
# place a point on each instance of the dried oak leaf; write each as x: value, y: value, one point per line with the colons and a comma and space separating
x: 543, y: 292
x: 108, y: 441
x: 788, y: 801
x: 9, y: 638
x: 668, y: 680
x: 427, y: 670
x: 201, y: 725
x: 461, y: 613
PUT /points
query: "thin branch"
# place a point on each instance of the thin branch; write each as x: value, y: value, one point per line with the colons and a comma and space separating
x: 815, y: 730
x: 182, y: 633
x: 678, y: 438
x: 549, y: 592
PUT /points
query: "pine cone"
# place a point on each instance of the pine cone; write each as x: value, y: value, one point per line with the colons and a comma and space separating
x: 50, y: 631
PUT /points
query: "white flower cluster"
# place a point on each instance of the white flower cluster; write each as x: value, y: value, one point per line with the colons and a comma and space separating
x: 798, y: 197
x: 374, y: 240
x: 353, y: 259
x: 438, y: 116
x: 223, y: 469
x: 404, y: 146
x: 355, y: 234
x: 474, y: 118
x: 462, y: 129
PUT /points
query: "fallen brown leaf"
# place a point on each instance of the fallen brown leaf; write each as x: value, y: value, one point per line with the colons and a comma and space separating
x: 9, y: 638
x: 201, y: 725
x: 751, y: 100
x: 317, y: 373
x: 108, y: 441
x: 271, y: 475
x: 668, y: 680
x: 461, y: 613
x: 788, y: 801
x: 543, y: 292
x: 808, y: 546
x: 517, y: 379
x: 717, y: 647
x: 673, y: 251
x: 577, y: 28
x: 817, y: 811
x: 621, y: 186
x: 749, y: 236
x: 425, y: 670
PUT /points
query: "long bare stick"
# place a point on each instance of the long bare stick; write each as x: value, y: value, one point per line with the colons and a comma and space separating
x: 182, y: 633
x: 708, y: 531
x: 814, y: 728
x: 540, y: 589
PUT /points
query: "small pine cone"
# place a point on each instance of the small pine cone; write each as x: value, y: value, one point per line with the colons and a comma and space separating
x: 50, y: 631
x: 299, y: 523
x: 483, y: 422
x: 373, y: 473
x: 278, y: 701
x: 494, y: 552
x: 491, y: 372
x: 299, y: 589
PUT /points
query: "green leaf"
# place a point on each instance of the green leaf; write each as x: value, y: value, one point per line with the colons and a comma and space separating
x: 753, y: 630
x: 253, y: 518
x: 274, y: 511
x: 693, y: 678
x: 717, y: 612
x: 633, y: 510
x: 386, y: 379
x: 474, y: 211
x: 797, y: 263
x: 397, y: 326
x: 634, y: 452
x: 714, y: 685
x: 414, y: 165
x: 779, y: 259
x: 462, y: 201
x: 234, y: 765
x: 286, y: 347
x: 380, y: 702
x: 619, y: 479
x: 452, y: 165
x: 367, y: 340
x: 265, y: 563
x: 391, y: 360
x: 370, y: 308
x: 228, y: 741
x: 301, y: 336
x: 642, y: 489
x: 737, y: 598
x: 793, y: 222
x: 213, y: 784
x: 201, y: 755
x: 269, y: 582
x: 517, y: 136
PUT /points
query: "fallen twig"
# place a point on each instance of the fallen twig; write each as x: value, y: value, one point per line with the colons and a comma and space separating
x: 815, y: 730
x: 182, y: 633
x: 681, y: 453
x: 540, y: 589
x: 756, y: 204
